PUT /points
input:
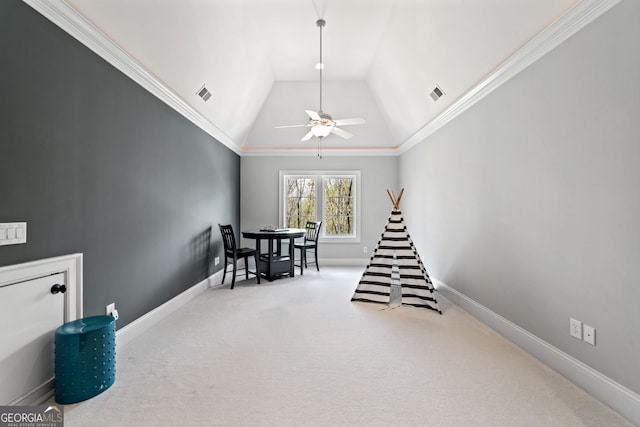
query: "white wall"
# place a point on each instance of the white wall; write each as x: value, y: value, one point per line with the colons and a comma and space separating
x: 259, y: 195
x: 529, y: 202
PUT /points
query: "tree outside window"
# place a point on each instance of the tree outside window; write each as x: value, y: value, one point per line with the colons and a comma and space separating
x: 301, y: 201
x: 338, y: 206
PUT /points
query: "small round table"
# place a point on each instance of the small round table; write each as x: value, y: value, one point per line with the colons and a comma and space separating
x: 275, y: 264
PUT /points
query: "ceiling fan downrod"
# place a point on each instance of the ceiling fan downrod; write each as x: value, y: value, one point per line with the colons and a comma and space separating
x: 321, y: 23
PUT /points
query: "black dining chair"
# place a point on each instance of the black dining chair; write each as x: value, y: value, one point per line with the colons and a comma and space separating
x: 232, y: 254
x: 310, y: 243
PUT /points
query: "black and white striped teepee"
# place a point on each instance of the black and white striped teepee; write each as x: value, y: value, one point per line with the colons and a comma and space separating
x: 395, y: 261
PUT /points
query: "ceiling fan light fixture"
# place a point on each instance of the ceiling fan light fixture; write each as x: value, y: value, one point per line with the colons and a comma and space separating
x: 321, y: 131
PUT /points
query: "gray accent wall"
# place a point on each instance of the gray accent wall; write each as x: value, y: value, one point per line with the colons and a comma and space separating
x: 95, y: 164
x: 259, y: 195
x: 529, y: 202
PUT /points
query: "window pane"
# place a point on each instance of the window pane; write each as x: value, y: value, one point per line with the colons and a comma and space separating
x: 338, y: 206
x: 301, y: 202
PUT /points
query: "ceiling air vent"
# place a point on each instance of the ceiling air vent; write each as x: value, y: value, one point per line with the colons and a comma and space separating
x: 436, y: 93
x: 204, y: 93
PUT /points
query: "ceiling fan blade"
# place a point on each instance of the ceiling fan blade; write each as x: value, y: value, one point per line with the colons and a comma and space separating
x: 353, y: 121
x: 342, y: 133
x: 313, y: 115
x: 289, y: 126
x: 307, y: 136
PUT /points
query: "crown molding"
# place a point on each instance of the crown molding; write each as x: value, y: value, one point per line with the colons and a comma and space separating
x: 326, y: 152
x: 67, y: 18
x: 576, y: 18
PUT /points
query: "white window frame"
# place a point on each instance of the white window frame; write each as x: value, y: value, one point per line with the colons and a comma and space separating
x: 320, y: 176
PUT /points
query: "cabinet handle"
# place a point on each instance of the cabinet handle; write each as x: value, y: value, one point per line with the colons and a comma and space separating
x: 58, y: 288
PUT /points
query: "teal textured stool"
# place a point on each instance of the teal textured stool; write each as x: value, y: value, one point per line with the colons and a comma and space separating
x: 85, y: 358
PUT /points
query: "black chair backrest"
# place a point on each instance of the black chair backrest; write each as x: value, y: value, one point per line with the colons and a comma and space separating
x: 312, y: 231
x: 228, y: 238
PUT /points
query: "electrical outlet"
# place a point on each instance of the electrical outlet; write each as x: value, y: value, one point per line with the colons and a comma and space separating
x: 109, y: 309
x: 589, y: 334
x: 365, y: 249
x: 216, y: 260
x: 575, y: 328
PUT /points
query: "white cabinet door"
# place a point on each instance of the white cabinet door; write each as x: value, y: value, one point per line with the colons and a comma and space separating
x: 29, y: 316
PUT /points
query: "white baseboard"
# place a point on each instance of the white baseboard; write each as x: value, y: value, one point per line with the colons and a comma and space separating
x: 37, y: 396
x: 141, y: 324
x: 603, y: 388
x: 344, y: 261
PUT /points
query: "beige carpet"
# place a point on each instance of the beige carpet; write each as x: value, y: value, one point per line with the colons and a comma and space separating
x: 297, y: 352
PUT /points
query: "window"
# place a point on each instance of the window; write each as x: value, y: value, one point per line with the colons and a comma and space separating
x: 327, y: 196
x: 338, y: 205
x: 301, y: 201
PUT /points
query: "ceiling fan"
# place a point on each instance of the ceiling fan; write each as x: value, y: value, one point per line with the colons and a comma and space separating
x: 321, y: 123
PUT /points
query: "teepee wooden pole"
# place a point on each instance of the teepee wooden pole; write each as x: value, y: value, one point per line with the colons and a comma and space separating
x: 392, y: 197
x: 399, y: 197
x: 395, y: 200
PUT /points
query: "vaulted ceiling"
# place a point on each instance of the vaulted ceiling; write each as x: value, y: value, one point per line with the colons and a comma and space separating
x: 257, y: 58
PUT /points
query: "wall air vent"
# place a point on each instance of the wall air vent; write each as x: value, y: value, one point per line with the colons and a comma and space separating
x: 204, y: 93
x: 436, y: 93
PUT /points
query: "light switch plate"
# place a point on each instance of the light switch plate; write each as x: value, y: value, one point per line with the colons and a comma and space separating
x: 13, y: 233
